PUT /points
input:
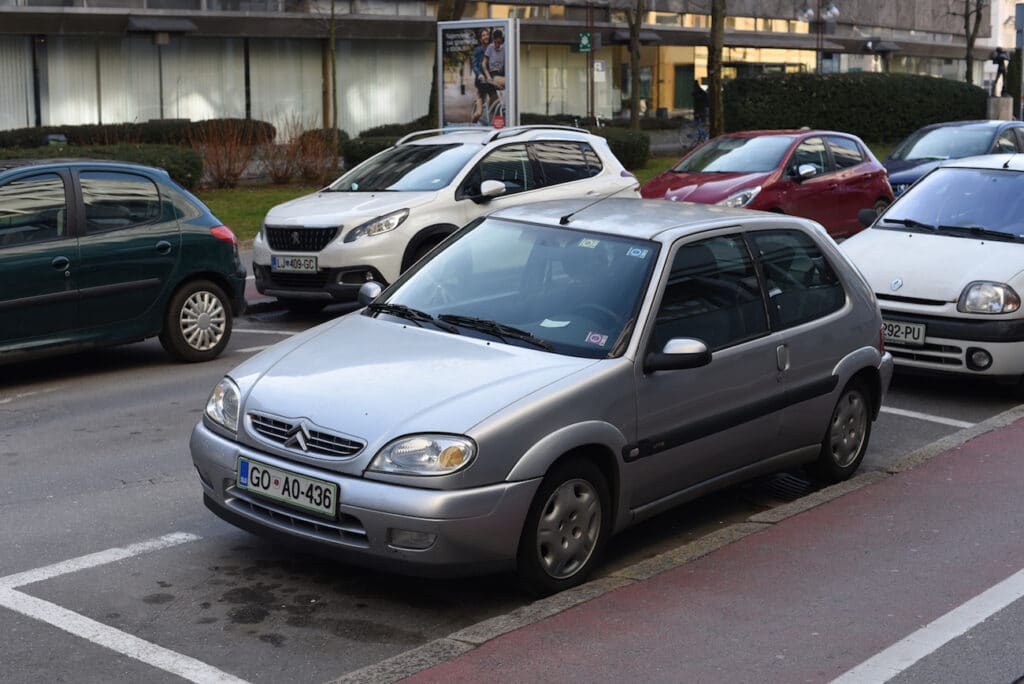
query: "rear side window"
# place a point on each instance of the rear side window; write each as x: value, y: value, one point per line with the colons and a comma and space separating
x: 712, y: 295
x: 32, y: 209
x: 801, y: 284
x: 845, y: 152
x: 564, y: 162
x: 1006, y: 142
x: 115, y: 200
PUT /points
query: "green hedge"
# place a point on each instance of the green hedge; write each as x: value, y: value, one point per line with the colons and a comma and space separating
x: 162, y: 132
x: 183, y: 164
x: 394, y: 130
x: 877, y: 107
x: 358, y: 150
x: 632, y: 148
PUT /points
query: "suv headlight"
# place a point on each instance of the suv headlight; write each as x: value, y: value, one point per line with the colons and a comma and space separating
x: 381, y: 224
x: 222, y: 406
x: 741, y: 198
x: 984, y: 297
x: 424, y: 455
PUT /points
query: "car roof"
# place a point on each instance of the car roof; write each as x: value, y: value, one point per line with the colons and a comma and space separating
x: 645, y: 219
x: 976, y: 123
x: 482, y: 136
x: 1012, y: 162
x: 804, y: 132
x: 44, y: 164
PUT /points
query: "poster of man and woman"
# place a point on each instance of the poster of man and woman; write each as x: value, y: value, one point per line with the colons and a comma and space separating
x: 477, y: 69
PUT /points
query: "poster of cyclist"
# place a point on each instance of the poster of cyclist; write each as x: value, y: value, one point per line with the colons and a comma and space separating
x: 478, y: 63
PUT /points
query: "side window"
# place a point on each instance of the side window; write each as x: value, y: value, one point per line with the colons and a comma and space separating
x: 115, y: 200
x: 845, y: 152
x: 1019, y: 135
x: 561, y: 162
x: 510, y: 165
x: 32, y: 209
x: 593, y: 161
x: 1005, y: 143
x: 712, y: 295
x: 811, y: 151
x: 801, y: 284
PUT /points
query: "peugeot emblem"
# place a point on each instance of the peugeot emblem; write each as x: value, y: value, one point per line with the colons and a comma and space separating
x: 295, y: 237
x: 298, y: 437
x: 896, y: 284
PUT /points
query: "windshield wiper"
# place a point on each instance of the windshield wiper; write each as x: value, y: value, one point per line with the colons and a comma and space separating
x: 981, y: 232
x: 409, y: 314
x: 910, y: 223
x: 499, y: 330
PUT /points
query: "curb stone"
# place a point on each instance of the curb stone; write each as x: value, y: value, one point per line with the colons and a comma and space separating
x: 441, y: 650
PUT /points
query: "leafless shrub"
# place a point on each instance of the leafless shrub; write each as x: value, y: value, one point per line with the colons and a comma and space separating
x: 318, y: 158
x: 227, y: 149
x: 280, y: 161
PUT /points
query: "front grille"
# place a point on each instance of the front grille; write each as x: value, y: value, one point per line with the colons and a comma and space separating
x: 299, y: 281
x: 905, y: 353
x: 346, y: 529
x: 303, y: 437
x: 910, y: 300
x: 300, y: 238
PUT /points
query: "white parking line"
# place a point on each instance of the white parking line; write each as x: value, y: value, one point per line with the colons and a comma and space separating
x: 930, y: 638
x: 22, y: 395
x: 286, y: 333
x: 927, y: 416
x: 252, y: 350
x: 96, y: 632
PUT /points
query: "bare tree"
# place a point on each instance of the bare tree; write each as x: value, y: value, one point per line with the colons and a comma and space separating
x: 634, y: 17
x: 447, y: 10
x: 717, y: 124
x: 971, y: 13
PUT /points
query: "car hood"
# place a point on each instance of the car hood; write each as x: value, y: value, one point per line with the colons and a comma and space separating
x: 376, y: 379
x: 904, y: 171
x: 331, y: 208
x: 706, y: 188
x: 932, y: 267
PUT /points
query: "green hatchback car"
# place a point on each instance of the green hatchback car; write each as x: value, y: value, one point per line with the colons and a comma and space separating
x: 99, y: 253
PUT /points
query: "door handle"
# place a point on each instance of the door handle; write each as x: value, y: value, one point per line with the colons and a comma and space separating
x: 782, y: 357
x: 60, y: 263
x: 164, y: 247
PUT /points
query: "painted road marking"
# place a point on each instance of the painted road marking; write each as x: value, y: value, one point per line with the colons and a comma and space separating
x: 250, y: 350
x: 8, y: 400
x: 286, y: 333
x: 927, y: 416
x: 98, y: 633
x: 930, y: 638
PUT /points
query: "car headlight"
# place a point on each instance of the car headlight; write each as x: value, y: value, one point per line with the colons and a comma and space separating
x: 741, y: 198
x: 381, y: 224
x: 984, y: 297
x: 424, y: 455
x: 222, y: 406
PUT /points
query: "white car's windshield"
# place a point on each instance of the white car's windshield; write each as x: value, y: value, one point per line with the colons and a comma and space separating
x: 408, y: 168
x: 737, y: 155
x: 952, y: 142
x: 567, y: 291
x: 960, y: 201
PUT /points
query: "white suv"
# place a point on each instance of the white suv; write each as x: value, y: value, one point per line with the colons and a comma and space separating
x: 382, y: 216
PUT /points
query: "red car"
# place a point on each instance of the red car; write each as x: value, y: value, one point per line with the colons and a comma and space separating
x: 821, y: 175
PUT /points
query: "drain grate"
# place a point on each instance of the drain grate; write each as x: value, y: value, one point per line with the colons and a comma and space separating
x: 778, y: 489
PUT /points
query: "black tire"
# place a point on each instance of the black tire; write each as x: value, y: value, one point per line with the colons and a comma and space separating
x: 421, y: 251
x: 566, y: 528
x: 846, y: 437
x: 304, y: 306
x: 197, y: 323
x: 879, y: 206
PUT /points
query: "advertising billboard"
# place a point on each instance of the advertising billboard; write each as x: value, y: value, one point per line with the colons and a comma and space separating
x: 478, y: 69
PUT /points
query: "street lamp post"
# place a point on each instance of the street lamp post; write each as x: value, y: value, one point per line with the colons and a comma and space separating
x: 825, y: 13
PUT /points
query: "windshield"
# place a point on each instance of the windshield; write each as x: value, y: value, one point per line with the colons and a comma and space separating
x: 407, y: 168
x: 575, y: 292
x: 737, y: 155
x: 952, y: 142
x: 951, y: 198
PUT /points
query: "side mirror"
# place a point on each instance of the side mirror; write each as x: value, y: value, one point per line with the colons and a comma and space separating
x: 867, y: 216
x: 489, y: 189
x: 368, y: 292
x: 678, y: 354
x: 805, y: 171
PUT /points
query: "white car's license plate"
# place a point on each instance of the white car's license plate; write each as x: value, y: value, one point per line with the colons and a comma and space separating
x: 293, y: 264
x: 901, y: 332
x: 291, y: 488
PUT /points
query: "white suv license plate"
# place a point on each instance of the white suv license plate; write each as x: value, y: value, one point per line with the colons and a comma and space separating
x: 901, y: 332
x: 293, y: 264
x: 291, y: 488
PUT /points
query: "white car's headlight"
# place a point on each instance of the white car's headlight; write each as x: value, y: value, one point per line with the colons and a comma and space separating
x: 424, y: 455
x: 381, y: 224
x: 222, y: 406
x: 984, y: 297
x: 741, y: 198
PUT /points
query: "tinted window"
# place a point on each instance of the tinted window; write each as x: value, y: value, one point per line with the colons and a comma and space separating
x: 563, y: 162
x: 593, y: 161
x: 1006, y: 142
x: 737, y: 155
x: 801, y: 284
x: 712, y: 295
x: 32, y: 210
x: 845, y: 152
x: 118, y: 200
x: 409, y: 167
x: 509, y: 164
x: 811, y: 151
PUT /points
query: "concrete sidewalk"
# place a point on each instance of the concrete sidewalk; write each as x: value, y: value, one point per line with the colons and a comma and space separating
x: 804, y: 592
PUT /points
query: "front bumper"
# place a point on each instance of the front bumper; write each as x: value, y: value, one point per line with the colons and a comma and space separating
x: 328, y: 284
x: 477, y: 530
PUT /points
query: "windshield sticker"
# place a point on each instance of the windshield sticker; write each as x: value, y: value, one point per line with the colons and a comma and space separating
x: 637, y: 252
x: 548, y: 323
x: 589, y: 243
x: 597, y: 338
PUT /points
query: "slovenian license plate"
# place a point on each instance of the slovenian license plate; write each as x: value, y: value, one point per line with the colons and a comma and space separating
x: 293, y: 264
x: 901, y: 332
x: 291, y: 488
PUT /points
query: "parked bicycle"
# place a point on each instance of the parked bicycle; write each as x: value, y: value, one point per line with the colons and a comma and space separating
x: 692, y: 133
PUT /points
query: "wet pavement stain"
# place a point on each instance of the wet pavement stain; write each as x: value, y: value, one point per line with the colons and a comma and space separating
x: 273, y: 639
x: 206, y: 620
x: 248, y: 615
x: 164, y: 585
x: 156, y: 599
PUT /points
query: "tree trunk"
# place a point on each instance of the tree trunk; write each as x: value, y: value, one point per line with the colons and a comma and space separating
x: 634, y: 17
x: 973, y: 11
x: 334, y: 85
x: 717, y: 116
x: 447, y: 10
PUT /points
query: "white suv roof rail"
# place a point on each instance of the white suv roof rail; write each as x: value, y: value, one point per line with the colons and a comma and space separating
x: 516, y: 130
x: 439, y: 131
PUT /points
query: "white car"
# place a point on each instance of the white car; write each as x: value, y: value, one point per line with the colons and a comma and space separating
x: 382, y: 216
x: 946, y: 262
